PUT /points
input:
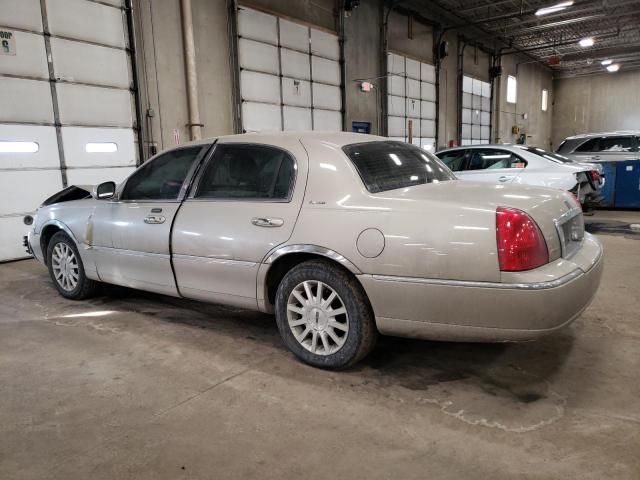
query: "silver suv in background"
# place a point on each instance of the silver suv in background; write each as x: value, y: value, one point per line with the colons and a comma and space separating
x: 602, y: 147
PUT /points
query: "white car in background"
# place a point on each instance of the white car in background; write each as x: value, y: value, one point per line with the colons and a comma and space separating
x: 526, y: 165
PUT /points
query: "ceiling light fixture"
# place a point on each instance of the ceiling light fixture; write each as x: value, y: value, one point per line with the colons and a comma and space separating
x: 614, y: 68
x: 586, y: 42
x: 554, y: 8
x: 606, y: 62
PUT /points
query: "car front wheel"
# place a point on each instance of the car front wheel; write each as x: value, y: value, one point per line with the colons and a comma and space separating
x: 66, y: 269
x: 324, y: 316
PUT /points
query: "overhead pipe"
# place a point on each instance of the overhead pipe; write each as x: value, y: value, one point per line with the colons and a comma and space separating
x: 191, y: 71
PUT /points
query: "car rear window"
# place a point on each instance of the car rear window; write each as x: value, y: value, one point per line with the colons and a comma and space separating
x: 567, y: 146
x: 554, y: 157
x: 389, y: 165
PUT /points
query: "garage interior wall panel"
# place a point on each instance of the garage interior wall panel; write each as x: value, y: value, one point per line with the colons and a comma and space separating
x: 289, y: 75
x: 86, y: 20
x: 93, y: 126
x: 411, y: 99
x: 476, y: 111
x: 43, y: 136
x: 33, y: 65
x: 85, y: 63
x: 23, y: 14
x: 25, y: 100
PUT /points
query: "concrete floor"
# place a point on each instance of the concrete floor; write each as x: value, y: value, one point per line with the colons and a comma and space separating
x: 133, y: 385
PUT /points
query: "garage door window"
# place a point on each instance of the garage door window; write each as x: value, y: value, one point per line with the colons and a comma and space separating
x: 18, y: 147
x: 162, y: 178
x: 476, y: 111
x: 249, y: 172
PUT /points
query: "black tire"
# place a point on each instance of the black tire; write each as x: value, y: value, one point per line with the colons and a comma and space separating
x: 362, y: 333
x: 85, y: 287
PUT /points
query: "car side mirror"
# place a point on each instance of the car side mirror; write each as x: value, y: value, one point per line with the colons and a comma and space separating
x: 105, y: 190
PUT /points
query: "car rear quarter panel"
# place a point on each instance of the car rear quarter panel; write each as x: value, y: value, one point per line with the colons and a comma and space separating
x: 422, y: 238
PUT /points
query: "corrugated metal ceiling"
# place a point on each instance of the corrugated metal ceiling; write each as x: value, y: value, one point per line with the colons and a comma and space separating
x: 511, y: 25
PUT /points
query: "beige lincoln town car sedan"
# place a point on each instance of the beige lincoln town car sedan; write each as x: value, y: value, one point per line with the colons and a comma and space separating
x: 342, y: 236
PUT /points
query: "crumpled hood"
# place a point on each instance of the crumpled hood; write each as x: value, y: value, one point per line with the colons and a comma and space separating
x: 71, y: 193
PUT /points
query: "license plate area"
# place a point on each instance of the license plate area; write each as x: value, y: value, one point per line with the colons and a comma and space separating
x: 570, y: 227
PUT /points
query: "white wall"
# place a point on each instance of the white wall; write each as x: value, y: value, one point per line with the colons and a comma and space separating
x: 596, y: 103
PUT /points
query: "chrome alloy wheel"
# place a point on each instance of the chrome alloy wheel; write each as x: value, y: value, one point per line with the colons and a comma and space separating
x: 65, y: 266
x: 317, y: 317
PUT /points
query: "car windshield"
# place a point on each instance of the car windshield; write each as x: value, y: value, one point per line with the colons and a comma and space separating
x: 554, y: 157
x: 389, y: 165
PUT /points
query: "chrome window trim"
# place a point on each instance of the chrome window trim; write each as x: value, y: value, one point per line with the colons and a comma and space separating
x: 196, y: 182
x: 218, y: 260
x: 136, y: 253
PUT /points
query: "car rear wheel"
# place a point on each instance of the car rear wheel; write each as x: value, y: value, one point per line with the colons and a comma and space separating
x: 324, y: 316
x: 66, y: 269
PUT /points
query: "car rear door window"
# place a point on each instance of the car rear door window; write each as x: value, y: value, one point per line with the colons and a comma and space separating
x: 615, y: 144
x: 162, y: 177
x: 455, y: 159
x: 490, y: 159
x: 241, y: 171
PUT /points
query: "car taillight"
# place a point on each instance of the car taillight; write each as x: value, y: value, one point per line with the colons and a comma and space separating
x: 521, y: 245
x: 595, y: 176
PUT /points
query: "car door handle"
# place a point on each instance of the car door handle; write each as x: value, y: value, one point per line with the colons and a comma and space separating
x: 267, y: 222
x: 595, y: 157
x: 154, y: 219
x: 504, y: 178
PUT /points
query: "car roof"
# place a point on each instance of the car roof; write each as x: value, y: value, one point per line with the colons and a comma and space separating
x: 603, y: 134
x: 338, y: 139
x: 506, y: 146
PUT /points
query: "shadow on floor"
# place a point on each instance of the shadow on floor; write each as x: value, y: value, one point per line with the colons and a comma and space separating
x: 611, y: 227
x: 518, y: 372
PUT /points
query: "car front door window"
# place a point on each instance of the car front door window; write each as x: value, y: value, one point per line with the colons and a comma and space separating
x: 455, y: 159
x: 488, y: 159
x: 161, y: 178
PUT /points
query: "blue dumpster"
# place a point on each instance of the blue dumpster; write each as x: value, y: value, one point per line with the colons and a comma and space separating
x: 608, y: 191
x: 627, y: 184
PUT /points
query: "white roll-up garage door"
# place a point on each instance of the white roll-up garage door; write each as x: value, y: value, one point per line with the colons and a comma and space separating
x: 289, y: 75
x: 476, y: 111
x: 67, y: 113
x: 411, y: 100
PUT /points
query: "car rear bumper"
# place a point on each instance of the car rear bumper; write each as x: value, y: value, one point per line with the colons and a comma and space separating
x: 483, y: 311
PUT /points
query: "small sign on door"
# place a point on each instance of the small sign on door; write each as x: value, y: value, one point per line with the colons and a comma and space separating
x: 7, y: 43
